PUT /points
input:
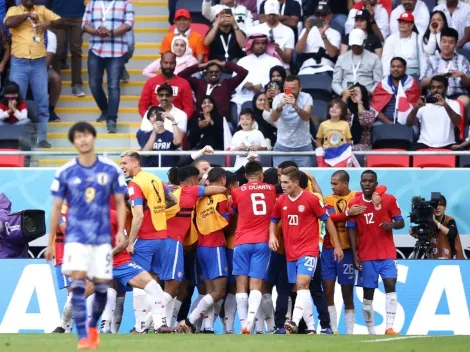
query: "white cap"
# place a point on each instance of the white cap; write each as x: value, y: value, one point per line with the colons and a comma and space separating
x: 271, y: 7
x: 357, y: 37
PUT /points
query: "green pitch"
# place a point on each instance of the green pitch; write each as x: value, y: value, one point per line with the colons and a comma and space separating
x: 224, y: 343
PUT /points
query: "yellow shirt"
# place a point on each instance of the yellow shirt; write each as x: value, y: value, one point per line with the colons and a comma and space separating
x: 23, y: 46
x: 340, y: 204
x: 334, y: 134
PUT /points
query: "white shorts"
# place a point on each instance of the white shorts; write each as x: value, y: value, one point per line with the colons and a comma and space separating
x: 95, y: 260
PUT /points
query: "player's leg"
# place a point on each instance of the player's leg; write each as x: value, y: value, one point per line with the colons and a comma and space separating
x: 230, y: 304
x: 328, y: 275
x: 118, y: 311
x: 106, y: 319
x: 271, y: 279
x: 241, y: 269
x: 283, y: 301
x: 369, y: 280
x: 63, y: 281
x: 319, y: 300
x: 389, y: 274
x: 346, y: 280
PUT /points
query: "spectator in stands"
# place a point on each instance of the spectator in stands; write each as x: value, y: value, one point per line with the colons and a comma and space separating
x: 438, y: 119
x: 378, y: 18
x: 262, y: 114
x: 405, y: 43
x: 432, y: 36
x: 454, y: 66
x: 72, y: 12
x: 357, y: 66
x: 261, y: 57
x: 419, y: 10
x: 464, y: 145
x: 319, y: 45
x: 182, y: 97
x: 372, y: 42
x: 281, y: 36
x: 13, y: 109
x: 243, y: 17
x: 225, y: 40
x: 130, y: 39
x: 209, y: 128
x: 5, y: 53
x: 272, y: 89
x: 252, y: 6
x: 183, y: 27
x: 291, y: 112
x: 340, y: 9
x: 335, y: 131
x: 156, y: 138
x: 107, y: 26
x: 28, y: 24
x: 53, y: 78
x: 184, y: 58
x: 278, y: 74
x: 290, y: 14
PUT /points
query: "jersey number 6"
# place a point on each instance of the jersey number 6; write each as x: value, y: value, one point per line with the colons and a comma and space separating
x: 257, y: 200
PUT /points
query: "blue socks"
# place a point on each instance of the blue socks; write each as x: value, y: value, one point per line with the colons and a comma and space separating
x: 79, y: 307
x: 101, y: 296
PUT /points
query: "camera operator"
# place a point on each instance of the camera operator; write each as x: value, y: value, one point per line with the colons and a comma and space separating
x: 437, y: 115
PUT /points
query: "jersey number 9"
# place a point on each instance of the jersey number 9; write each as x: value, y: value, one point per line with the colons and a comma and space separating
x: 259, y: 204
x: 90, y: 194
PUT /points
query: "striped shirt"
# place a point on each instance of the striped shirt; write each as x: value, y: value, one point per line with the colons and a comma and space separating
x: 110, y: 14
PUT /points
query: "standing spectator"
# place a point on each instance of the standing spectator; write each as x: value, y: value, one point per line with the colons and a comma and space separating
x: 183, y: 27
x: 419, y: 10
x: 13, y: 109
x: 243, y: 17
x: 291, y: 112
x: 357, y: 66
x: 5, y: 53
x: 432, y: 36
x: 340, y: 9
x: 372, y: 43
x: 290, y: 14
x: 53, y: 78
x: 108, y: 26
x: 405, y: 43
x: 211, y: 85
x: 182, y: 95
x: 378, y: 17
x: 208, y: 128
x: 252, y: 6
x: 71, y: 12
x: 28, y: 24
x: 130, y: 40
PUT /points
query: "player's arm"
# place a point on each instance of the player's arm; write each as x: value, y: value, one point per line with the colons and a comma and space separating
x: 397, y: 219
x: 273, y: 225
x: 54, y: 222
x: 121, y: 217
x: 315, y: 187
x: 120, y: 247
x: 212, y: 190
x: 170, y: 198
x: 351, y: 225
x: 137, y: 220
x: 330, y: 227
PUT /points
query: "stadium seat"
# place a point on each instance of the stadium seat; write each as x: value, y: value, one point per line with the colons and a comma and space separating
x: 319, y: 110
x: 195, y: 8
x: 11, y: 160
x: 321, y: 81
x: 434, y: 160
x: 392, y: 136
x: 388, y: 160
x: 247, y: 105
x: 200, y: 28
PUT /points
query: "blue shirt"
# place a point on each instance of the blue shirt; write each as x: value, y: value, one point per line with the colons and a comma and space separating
x: 88, y: 191
x: 69, y: 8
x: 163, y: 141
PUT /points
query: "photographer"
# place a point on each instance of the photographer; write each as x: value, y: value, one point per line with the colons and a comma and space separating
x: 437, y: 115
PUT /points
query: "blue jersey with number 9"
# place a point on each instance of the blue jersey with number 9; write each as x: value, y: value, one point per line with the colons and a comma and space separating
x: 88, y: 191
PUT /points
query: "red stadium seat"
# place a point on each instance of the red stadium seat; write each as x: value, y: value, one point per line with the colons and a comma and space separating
x: 11, y: 160
x: 388, y: 160
x: 200, y: 28
x: 434, y: 160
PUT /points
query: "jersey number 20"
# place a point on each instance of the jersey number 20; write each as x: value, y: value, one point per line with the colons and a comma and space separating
x: 257, y: 200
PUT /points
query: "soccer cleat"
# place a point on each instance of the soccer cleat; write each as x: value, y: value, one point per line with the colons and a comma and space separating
x: 280, y: 331
x: 326, y: 331
x: 391, y: 332
x: 207, y: 331
x: 93, y: 338
x: 248, y: 328
x: 291, y: 327
x: 311, y: 332
x: 134, y: 331
x: 186, y: 327
x: 83, y: 344
x: 58, y: 330
x: 165, y: 330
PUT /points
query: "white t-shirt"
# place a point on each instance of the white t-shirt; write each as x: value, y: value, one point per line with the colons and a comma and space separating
x: 51, y: 42
x: 437, y: 130
x: 248, y: 138
x: 314, y: 42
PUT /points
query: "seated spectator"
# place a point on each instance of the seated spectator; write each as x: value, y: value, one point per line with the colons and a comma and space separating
x: 247, y: 138
x: 281, y: 36
x: 5, y: 53
x: 262, y: 114
x: 278, y: 74
x: 208, y: 128
x: 252, y: 6
x: 405, y: 44
x: 291, y: 112
x: 290, y: 14
x: 184, y: 57
x: 156, y: 138
x: 183, y: 28
x: 372, y: 43
x: 340, y: 9
x: 464, y: 145
x: 211, y: 85
x: 432, y: 36
x: 378, y: 18
x: 335, y: 131
x: 454, y: 66
x: 261, y: 57
x: 384, y: 100
x: 243, y: 17
x: 272, y: 89
x: 437, y: 119
x: 419, y: 10
x: 53, y: 78
x: 357, y: 66
x: 319, y: 45
x: 225, y: 40
x: 13, y: 109
x: 182, y: 96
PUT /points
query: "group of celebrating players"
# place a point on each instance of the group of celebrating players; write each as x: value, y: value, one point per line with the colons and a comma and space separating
x: 231, y: 238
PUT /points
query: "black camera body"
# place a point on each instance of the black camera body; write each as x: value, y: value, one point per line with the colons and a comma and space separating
x: 421, y: 214
x: 430, y: 99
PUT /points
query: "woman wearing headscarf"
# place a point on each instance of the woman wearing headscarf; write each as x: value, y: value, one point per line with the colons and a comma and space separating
x: 277, y: 76
x: 262, y: 115
x: 208, y: 128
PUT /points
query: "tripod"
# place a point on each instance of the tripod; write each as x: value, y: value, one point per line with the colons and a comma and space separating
x: 422, y: 250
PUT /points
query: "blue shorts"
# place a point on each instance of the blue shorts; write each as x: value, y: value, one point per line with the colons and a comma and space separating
x: 276, y: 264
x: 229, y: 254
x: 251, y: 260
x: 192, y: 269
x: 368, y: 277
x: 63, y: 280
x: 302, y: 266
x: 331, y: 269
x: 125, y: 273
x: 172, y: 266
x: 148, y: 254
x: 213, y: 261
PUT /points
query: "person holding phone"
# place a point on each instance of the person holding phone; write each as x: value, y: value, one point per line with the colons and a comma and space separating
x: 243, y: 17
x: 372, y: 42
x: 290, y: 11
x: 378, y: 17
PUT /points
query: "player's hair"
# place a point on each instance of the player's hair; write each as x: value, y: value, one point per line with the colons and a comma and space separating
x: 81, y: 127
x: 252, y: 168
x: 173, y: 176
x: 303, y: 181
x: 293, y: 173
x: 342, y: 175
x: 270, y: 176
x: 186, y: 172
x: 230, y: 178
x: 286, y: 164
x: 369, y: 172
x: 131, y: 154
x: 215, y: 174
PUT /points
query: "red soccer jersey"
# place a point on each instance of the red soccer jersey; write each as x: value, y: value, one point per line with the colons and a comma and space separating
x: 59, y: 241
x: 217, y: 238
x: 300, y: 229
x: 147, y: 230
x: 179, y: 225
x: 374, y: 243
x: 254, y: 203
x: 124, y: 256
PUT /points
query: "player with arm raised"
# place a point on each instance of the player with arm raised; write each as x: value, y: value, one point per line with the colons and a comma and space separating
x: 299, y: 212
x: 374, y: 252
x: 87, y: 182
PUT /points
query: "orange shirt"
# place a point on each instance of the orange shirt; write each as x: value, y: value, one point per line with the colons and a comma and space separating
x: 196, y: 42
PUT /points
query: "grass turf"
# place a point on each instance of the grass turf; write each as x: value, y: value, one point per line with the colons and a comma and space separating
x: 227, y: 343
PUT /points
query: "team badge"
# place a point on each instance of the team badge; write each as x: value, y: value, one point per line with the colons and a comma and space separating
x: 378, y: 207
x: 301, y: 208
x: 102, y: 178
x: 180, y: 274
x: 226, y: 269
x: 285, y: 208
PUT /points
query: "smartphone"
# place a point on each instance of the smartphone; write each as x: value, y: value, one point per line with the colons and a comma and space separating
x: 448, y: 75
x: 287, y: 91
x: 350, y: 85
x: 228, y: 12
x: 315, y: 22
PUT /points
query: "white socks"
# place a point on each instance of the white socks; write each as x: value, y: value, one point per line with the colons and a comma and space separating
x: 108, y: 312
x: 230, y: 309
x: 200, y: 311
x: 349, y: 318
x: 268, y: 311
x: 168, y: 311
x: 289, y: 309
x: 390, y: 308
x: 154, y: 298
x: 333, y: 318
x: 368, y: 312
x: 89, y: 305
x: 67, y: 317
x: 117, y: 316
x: 242, y: 307
x: 259, y: 321
x: 176, y: 309
x: 303, y: 309
x: 254, y: 301
x: 209, y: 317
x: 141, y: 308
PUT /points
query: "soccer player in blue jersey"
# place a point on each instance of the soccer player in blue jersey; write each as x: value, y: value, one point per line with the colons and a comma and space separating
x: 87, y: 182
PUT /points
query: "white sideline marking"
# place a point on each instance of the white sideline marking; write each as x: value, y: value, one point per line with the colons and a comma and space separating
x: 394, y: 339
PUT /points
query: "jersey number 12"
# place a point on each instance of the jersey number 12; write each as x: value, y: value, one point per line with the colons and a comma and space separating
x: 369, y: 218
